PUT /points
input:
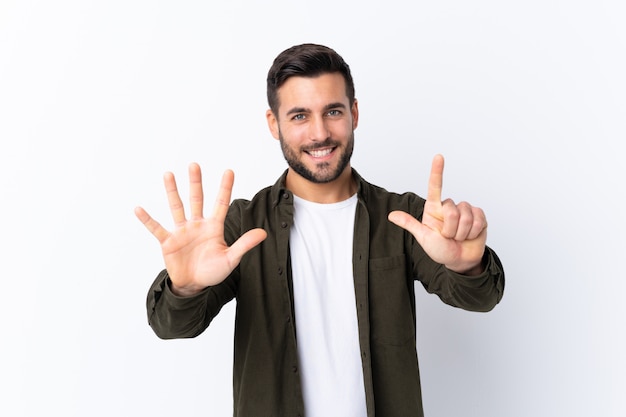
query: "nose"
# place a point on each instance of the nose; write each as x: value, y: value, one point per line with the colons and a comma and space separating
x: 318, y: 129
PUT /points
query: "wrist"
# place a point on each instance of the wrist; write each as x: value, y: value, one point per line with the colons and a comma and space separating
x: 183, y: 291
x: 471, y: 269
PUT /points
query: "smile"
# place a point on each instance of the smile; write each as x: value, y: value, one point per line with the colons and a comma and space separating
x: 320, y: 153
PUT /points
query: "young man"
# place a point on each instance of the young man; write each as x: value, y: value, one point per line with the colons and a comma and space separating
x: 322, y: 263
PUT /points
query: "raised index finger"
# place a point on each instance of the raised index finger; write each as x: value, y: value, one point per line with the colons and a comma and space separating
x: 435, y: 182
x: 222, y: 202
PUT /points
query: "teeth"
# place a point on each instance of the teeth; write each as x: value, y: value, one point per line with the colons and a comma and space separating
x: 320, y: 152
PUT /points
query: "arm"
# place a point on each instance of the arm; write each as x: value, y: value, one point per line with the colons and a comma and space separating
x: 473, y: 293
x: 172, y: 316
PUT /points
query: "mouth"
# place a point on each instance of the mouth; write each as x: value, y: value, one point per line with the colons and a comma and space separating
x: 320, y: 153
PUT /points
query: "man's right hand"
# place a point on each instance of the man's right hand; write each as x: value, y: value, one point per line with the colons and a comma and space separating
x: 195, y: 253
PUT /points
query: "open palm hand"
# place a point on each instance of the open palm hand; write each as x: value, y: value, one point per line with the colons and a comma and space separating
x: 195, y: 253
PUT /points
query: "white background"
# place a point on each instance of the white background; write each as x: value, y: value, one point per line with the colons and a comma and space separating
x: 525, y: 99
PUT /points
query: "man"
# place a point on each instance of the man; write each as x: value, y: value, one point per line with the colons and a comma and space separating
x: 322, y: 263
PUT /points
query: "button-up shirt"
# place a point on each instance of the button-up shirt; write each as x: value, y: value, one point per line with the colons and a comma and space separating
x: 386, y: 262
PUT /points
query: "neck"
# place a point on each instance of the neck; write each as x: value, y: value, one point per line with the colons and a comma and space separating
x: 340, y: 189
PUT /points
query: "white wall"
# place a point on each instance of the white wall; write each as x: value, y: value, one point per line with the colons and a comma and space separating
x: 98, y: 98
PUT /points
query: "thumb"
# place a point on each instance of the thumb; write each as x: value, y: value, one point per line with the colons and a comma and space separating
x: 409, y: 223
x: 246, y: 242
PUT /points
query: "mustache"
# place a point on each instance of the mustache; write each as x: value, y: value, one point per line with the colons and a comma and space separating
x: 328, y: 142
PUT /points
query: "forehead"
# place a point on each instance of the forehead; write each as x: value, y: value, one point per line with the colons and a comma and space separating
x: 312, y: 92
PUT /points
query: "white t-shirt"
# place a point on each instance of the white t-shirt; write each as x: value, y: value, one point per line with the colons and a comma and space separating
x: 321, y: 245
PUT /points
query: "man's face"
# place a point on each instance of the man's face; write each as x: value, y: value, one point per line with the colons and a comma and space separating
x: 315, y: 125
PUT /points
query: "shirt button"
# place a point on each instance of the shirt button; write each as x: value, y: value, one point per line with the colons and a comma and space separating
x: 294, y: 369
x: 280, y: 270
x: 286, y: 196
x: 284, y: 225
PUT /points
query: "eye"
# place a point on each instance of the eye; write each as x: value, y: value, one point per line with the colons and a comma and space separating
x: 334, y: 113
x: 298, y: 117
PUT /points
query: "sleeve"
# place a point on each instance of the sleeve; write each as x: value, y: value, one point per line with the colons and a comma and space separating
x: 475, y: 293
x: 172, y: 316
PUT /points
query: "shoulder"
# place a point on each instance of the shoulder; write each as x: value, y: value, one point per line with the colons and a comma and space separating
x: 377, y: 197
x: 262, y: 201
x: 258, y: 209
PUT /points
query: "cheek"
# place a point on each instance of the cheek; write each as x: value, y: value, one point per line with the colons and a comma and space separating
x: 342, y: 129
x: 293, y: 135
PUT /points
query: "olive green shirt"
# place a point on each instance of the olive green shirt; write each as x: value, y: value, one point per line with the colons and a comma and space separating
x: 386, y: 262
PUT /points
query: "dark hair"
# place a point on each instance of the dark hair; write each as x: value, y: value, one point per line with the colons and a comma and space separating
x: 306, y: 60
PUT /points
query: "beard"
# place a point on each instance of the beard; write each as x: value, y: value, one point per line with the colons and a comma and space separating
x: 324, y: 172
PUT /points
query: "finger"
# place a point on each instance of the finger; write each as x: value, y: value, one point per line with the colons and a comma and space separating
x: 176, y: 205
x: 450, y: 216
x: 465, y: 222
x: 435, y: 181
x: 196, y: 195
x: 222, y: 202
x: 479, y: 225
x: 245, y: 242
x: 152, y: 225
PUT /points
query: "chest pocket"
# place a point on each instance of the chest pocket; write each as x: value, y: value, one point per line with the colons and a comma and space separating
x: 392, y: 321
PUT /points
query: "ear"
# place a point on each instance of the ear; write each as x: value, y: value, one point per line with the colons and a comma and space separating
x: 355, y: 114
x: 272, y: 123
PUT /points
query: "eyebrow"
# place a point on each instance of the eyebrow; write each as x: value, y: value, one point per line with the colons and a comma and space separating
x: 331, y: 106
